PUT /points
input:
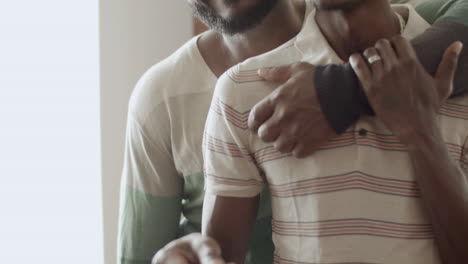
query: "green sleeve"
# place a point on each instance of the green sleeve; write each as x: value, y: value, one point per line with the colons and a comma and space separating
x: 440, y: 10
x: 151, y: 192
x: 147, y: 224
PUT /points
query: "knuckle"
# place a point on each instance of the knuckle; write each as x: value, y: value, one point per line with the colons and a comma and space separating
x: 398, y: 39
x: 207, y: 247
x: 299, y: 152
x: 254, y: 116
x: 266, y: 132
x: 295, y: 129
x: 367, y: 52
x: 277, y: 97
x: 382, y: 43
x: 360, y: 64
x: 160, y: 257
x: 283, y: 146
x: 282, y: 114
x: 274, y: 71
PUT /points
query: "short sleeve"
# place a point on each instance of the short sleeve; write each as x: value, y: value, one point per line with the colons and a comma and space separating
x: 150, y: 205
x: 229, y: 166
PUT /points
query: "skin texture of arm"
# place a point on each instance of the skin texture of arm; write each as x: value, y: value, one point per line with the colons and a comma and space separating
x: 287, y: 118
x: 230, y: 221
x: 407, y: 99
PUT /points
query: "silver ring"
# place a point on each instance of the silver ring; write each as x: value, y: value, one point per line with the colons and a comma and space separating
x: 374, y: 58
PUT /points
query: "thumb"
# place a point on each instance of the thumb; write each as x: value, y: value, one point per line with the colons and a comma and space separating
x: 447, y: 68
x: 276, y: 74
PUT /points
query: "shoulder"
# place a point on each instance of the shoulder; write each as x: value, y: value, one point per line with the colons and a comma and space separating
x: 242, y: 86
x: 169, y: 78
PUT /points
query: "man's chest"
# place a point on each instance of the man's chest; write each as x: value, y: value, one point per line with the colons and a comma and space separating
x: 367, y: 156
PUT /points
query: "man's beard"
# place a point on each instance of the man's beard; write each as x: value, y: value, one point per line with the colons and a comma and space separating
x: 344, y: 6
x: 233, y: 25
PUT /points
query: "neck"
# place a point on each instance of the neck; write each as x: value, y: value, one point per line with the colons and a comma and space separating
x: 282, y: 24
x: 222, y: 51
x: 353, y: 30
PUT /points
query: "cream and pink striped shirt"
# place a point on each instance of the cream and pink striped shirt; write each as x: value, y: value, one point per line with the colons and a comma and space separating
x: 355, y: 200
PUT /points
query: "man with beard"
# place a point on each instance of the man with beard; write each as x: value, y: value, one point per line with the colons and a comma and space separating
x: 392, y: 189
x: 163, y: 164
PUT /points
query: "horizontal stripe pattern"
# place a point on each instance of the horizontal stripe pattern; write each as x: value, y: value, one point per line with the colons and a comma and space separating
x: 353, y: 227
x: 372, y: 139
x: 279, y: 260
x: 269, y: 154
x: 234, y: 182
x: 238, y: 76
x: 226, y: 148
x: 381, y: 141
x: 454, y: 110
x: 238, y: 119
x: 355, y: 180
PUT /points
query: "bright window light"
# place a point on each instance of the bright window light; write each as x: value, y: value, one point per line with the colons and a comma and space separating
x: 50, y: 186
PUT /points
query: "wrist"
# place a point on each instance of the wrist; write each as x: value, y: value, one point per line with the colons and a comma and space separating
x: 424, y: 141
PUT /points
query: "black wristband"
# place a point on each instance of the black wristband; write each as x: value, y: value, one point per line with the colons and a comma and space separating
x: 340, y: 96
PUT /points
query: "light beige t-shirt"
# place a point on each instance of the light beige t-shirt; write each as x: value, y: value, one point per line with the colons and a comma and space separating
x: 163, y: 165
x: 355, y: 200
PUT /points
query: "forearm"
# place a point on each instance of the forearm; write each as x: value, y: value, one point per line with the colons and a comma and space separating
x: 444, y: 190
x: 338, y: 89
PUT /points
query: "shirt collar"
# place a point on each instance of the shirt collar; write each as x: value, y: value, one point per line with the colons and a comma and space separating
x: 315, y: 48
x: 415, y: 24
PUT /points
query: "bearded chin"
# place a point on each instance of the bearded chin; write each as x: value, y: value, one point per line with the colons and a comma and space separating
x: 347, y: 5
x: 233, y: 25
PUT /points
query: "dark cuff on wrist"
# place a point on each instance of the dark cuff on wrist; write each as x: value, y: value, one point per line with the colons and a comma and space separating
x: 340, y: 96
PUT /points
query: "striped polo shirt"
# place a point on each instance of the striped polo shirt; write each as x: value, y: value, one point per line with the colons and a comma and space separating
x: 356, y: 199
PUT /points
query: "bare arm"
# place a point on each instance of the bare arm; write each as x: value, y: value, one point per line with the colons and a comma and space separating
x: 444, y: 187
x: 230, y: 221
x: 407, y: 100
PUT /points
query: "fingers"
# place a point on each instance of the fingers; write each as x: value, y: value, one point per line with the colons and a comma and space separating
x: 286, y: 141
x: 261, y: 112
x: 269, y: 131
x: 300, y: 151
x: 191, y: 249
x: 208, y: 251
x: 403, y: 47
x: 375, y: 66
x: 385, y: 49
x: 176, y: 252
x: 362, y: 70
x: 447, y: 68
x: 276, y: 74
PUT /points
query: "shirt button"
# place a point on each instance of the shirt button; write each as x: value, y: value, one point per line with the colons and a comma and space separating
x: 362, y: 132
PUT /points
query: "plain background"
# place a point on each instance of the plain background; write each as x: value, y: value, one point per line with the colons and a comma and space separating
x: 50, y: 181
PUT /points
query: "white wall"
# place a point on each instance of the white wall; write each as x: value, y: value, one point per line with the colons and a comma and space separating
x: 50, y: 187
x: 134, y: 35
